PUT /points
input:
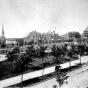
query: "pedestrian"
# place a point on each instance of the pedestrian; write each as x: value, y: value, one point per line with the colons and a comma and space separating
x: 55, y: 86
x: 57, y: 72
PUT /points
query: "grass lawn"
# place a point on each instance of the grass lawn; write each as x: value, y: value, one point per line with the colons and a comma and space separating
x: 5, y: 69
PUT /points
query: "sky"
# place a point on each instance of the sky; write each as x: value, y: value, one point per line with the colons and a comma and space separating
x: 19, y: 17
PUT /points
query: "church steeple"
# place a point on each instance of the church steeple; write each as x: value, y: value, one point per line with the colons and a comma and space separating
x: 3, y: 34
x: 2, y: 38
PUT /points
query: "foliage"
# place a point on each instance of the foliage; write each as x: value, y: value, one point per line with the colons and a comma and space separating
x: 16, y: 50
x: 11, y: 55
x: 73, y: 50
x: 3, y: 45
x: 20, y: 41
x: 57, y: 52
x: 40, y: 51
x: 24, y: 60
x: 79, y: 40
x: 30, y: 51
x: 30, y: 42
x: 21, y: 63
x: 86, y: 50
x: 65, y: 48
x: 70, y: 40
x: 74, y: 35
x: 60, y: 76
x: 81, y: 49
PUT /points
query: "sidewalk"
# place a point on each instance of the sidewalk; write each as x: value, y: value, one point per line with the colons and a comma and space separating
x: 17, y: 79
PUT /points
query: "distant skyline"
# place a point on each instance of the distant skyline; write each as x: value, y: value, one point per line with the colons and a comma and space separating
x: 20, y: 17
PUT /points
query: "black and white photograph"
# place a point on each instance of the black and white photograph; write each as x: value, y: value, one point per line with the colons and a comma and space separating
x: 43, y: 43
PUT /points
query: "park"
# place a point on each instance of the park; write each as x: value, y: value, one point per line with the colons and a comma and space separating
x: 36, y: 63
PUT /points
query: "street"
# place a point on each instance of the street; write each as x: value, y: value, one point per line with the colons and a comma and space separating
x: 78, y: 78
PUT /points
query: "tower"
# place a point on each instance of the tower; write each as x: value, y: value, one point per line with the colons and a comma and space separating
x: 3, y: 35
x: 2, y: 38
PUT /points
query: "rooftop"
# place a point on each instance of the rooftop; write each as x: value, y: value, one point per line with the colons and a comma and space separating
x: 86, y: 29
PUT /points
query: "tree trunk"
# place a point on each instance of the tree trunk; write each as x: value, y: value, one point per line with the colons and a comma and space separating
x: 42, y: 66
x: 80, y: 59
x: 11, y: 67
x: 70, y: 64
x: 59, y: 74
x: 22, y: 80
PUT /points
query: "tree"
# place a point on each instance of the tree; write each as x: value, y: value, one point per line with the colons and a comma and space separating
x: 77, y: 35
x: 3, y: 45
x: 86, y: 50
x: 40, y: 53
x: 24, y: 60
x: 61, y: 77
x: 30, y: 42
x: 79, y: 40
x: 12, y: 55
x: 71, y: 52
x: 74, y: 35
x: 16, y: 50
x: 81, y: 50
x: 21, y: 65
x: 58, y: 52
x: 20, y: 41
x: 65, y: 49
x: 30, y: 53
x: 12, y: 44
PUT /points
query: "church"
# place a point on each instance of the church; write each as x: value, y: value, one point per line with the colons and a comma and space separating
x: 2, y: 37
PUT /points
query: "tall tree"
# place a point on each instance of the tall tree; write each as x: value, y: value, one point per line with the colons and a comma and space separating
x: 81, y: 50
x: 72, y: 51
x: 24, y: 61
x: 30, y: 53
x: 40, y: 53
x: 74, y: 35
x: 57, y: 52
x: 11, y: 55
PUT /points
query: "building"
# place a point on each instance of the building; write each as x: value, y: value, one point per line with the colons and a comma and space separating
x: 39, y: 38
x: 65, y: 36
x: 4, y: 40
x: 85, y: 33
x: 11, y: 41
x: 35, y: 36
x: 2, y: 37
